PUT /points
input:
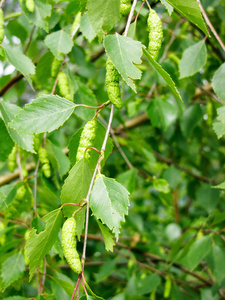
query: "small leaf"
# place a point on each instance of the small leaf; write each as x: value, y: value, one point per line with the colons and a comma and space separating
x: 218, y: 82
x: 164, y: 75
x: 107, y: 236
x: 147, y: 284
x: 75, y: 189
x: 12, y: 269
x: 190, y: 119
x: 6, y: 143
x: 106, y: 269
x: 9, y: 111
x: 168, y: 6
x: 38, y: 245
x: 219, y: 260
x: 39, y: 116
x: 59, y: 42
x: 207, y: 197
x: 109, y: 203
x: 128, y: 179
x: 193, y: 59
x: 161, y: 185
x: 191, y: 10
x: 103, y: 14
x: 124, y: 53
x: 86, y: 28
x: 219, y: 129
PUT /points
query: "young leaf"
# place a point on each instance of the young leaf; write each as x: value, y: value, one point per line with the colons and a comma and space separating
x: 193, y: 59
x: 103, y: 14
x: 6, y: 143
x: 44, y: 114
x: 109, y: 203
x: 118, y: 48
x: 9, y: 111
x: 59, y: 42
x: 97, y: 143
x: 218, y: 82
x: 168, y: 6
x: 219, y: 129
x: 42, y: 11
x: 191, y: 10
x: 38, y: 245
x: 75, y: 189
x: 107, y: 236
x: 12, y: 269
x: 164, y: 75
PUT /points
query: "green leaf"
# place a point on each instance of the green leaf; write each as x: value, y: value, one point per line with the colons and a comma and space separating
x: 124, y: 53
x: 106, y: 269
x: 207, y: 197
x: 190, y: 119
x: 162, y: 113
x: 147, y: 284
x: 208, y: 294
x: 58, y: 158
x: 59, y: 42
x: 9, y: 111
x: 164, y: 75
x: 20, y: 61
x: 107, y: 236
x: 167, y: 6
x: 128, y: 179
x: 161, y: 185
x: 221, y: 114
x: 12, y: 269
x: 44, y: 114
x: 86, y: 28
x: 38, y: 245
x: 219, y: 186
x: 193, y: 59
x: 191, y: 10
x: 103, y: 14
x: 197, y: 252
x: 16, y: 298
x: 75, y: 189
x: 43, y: 68
x: 218, y: 82
x: 42, y: 11
x: 6, y: 143
x: 84, y: 95
x: 67, y: 286
x: 219, y: 129
x: 97, y: 143
x: 219, y: 260
x: 109, y: 203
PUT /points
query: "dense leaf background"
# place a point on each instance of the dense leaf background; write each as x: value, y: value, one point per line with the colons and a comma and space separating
x: 166, y: 239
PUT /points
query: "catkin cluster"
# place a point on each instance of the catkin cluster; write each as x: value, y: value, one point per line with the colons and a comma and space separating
x: 69, y: 245
x: 64, y: 86
x: 86, y: 139
x: 13, y: 211
x: 125, y: 6
x: 2, y: 32
x: 30, y: 5
x: 12, y: 160
x: 56, y: 64
x: 43, y: 157
x: 112, y: 84
x: 155, y: 34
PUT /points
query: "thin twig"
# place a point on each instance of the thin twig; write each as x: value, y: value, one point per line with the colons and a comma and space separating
x: 211, y: 26
x: 35, y: 187
x: 30, y: 39
x: 130, y: 17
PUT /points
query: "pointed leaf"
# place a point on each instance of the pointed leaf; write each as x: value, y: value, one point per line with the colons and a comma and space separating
x: 59, y: 42
x: 193, y: 59
x: 107, y: 236
x: 86, y: 28
x: 9, y: 111
x: 191, y: 10
x: 218, y: 82
x: 124, y: 53
x: 219, y: 129
x: 6, y: 143
x: 164, y: 75
x: 168, y: 6
x: 75, y: 189
x: 38, y: 245
x: 109, y: 203
x: 44, y: 114
x: 12, y: 269
x: 103, y: 14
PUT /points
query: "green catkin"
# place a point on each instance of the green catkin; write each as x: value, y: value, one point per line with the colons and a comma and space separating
x: 2, y: 236
x: 30, y: 5
x: 15, y: 207
x: 125, y: 7
x: 69, y: 245
x: 12, y: 160
x: 112, y: 84
x: 55, y: 67
x: 64, y: 86
x: 76, y: 22
x: 2, y: 32
x: 46, y: 169
x: 86, y: 139
x: 43, y: 157
x: 155, y: 34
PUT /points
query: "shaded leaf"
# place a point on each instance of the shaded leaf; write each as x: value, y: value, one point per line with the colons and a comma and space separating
x: 6, y: 143
x: 38, y: 245
x: 109, y: 203
x: 218, y: 82
x: 124, y: 53
x: 39, y: 115
x: 107, y: 236
x: 86, y: 28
